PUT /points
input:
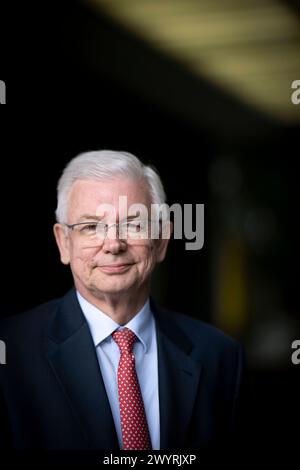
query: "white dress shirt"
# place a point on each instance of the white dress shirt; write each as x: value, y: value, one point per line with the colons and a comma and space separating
x: 145, y: 352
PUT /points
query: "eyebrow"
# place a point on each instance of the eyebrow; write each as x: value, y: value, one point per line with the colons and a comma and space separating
x: 90, y: 217
x: 96, y: 217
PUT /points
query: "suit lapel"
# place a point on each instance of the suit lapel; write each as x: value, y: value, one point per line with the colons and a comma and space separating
x: 72, y: 356
x: 178, y: 375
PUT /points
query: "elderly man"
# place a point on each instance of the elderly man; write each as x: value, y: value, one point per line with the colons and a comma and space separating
x: 104, y: 367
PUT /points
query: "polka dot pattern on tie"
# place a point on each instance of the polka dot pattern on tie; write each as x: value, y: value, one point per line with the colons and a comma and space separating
x: 135, y: 433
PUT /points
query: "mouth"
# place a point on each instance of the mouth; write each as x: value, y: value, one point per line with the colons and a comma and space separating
x: 115, y: 268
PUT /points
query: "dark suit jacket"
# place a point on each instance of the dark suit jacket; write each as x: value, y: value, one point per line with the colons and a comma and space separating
x: 52, y: 395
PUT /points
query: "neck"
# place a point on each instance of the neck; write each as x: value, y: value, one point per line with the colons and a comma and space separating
x: 120, y: 308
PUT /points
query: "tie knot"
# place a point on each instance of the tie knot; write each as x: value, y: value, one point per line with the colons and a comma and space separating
x: 125, y: 339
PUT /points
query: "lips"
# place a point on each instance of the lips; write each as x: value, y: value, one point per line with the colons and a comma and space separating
x: 115, y: 268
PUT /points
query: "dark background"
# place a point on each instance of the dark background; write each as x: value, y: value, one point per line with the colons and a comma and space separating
x: 75, y: 83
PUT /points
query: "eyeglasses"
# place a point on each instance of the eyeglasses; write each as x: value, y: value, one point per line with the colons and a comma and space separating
x: 95, y: 232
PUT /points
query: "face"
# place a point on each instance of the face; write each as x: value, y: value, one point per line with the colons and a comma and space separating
x: 115, y: 266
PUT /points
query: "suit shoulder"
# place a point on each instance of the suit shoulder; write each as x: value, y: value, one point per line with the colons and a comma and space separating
x: 199, y: 331
x: 28, y: 321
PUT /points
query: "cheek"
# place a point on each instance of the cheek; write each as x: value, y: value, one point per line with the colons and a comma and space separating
x: 147, y: 258
x: 81, y: 263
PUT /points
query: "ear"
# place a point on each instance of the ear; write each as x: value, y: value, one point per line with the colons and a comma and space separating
x: 163, y: 241
x: 63, y: 243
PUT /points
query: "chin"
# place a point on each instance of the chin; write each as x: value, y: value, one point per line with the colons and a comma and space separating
x: 113, y: 285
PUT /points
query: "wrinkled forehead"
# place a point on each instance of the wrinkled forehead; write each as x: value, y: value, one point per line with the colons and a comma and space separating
x: 106, y: 198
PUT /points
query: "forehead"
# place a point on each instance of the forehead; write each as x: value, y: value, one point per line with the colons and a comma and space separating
x: 86, y: 195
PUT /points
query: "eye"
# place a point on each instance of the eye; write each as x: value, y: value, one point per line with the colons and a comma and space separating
x: 138, y: 226
x: 135, y: 226
x: 89, y: 228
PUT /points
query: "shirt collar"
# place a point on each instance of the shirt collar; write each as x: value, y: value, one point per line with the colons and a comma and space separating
x: 102, y: 326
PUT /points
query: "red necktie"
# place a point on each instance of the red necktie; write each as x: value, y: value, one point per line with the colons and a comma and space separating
x: 135, y: 433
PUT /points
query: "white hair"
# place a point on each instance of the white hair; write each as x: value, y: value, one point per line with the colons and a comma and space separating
x: 103, y: 165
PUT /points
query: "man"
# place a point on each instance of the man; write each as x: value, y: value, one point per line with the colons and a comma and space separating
x: 104, y: 367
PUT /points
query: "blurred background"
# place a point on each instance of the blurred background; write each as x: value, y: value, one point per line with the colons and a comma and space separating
x: 202, y: 90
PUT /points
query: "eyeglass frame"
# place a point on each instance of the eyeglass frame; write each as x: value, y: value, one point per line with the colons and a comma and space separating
x: 107, y: 227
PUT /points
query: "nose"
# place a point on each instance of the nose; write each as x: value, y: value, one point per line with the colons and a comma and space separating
x: 112, y: 243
